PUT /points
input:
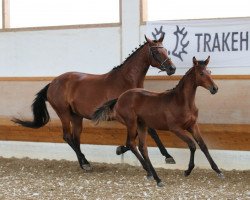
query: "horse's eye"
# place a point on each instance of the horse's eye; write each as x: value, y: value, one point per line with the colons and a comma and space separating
x: 201, y: 73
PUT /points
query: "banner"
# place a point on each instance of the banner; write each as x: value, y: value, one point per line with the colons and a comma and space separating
x: 225, y: 40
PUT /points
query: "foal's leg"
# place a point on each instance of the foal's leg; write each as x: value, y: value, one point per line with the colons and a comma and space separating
x: 122, y: 149
x: 195, y: 131
x: 169, y: 159
x: 182, y: 135
x: 76, y: 133
x: 131, y: 143
x: 142, y: 133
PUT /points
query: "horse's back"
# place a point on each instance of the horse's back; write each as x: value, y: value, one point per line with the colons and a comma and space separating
x: 65, y: 83
x: 82, y: 92
x: 145, y: 105
x: 137, y: 99
x: 70, y: 87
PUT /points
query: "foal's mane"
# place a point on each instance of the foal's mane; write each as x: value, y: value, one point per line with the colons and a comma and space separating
x: 201, y: 63
x: 134, y: 52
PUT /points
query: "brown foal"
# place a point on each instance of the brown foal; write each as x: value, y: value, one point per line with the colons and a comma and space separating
x: 75, y: 95
x: 172, y: 110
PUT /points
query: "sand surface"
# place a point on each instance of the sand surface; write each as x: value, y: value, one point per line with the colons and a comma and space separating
x: 51, y: 179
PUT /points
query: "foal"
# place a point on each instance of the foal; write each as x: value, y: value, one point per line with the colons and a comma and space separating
x: 172, y: 110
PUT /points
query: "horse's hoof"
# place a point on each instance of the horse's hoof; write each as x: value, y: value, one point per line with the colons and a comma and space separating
x: 186, y: 173
x: 170, y: 160
x: 119, y: 150
x: 221, y: 175
x: 86, y: 167
x: 150, y: 177
x: 160, y: 184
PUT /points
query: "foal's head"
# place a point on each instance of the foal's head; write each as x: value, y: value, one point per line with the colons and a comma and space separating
x: 158, y: 56
x: 203, y: 75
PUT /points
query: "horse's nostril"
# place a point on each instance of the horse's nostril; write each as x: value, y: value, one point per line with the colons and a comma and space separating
x: 172, y: 69
x: 214, y: 89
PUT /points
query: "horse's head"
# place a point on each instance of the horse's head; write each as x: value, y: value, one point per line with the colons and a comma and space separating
x: 203, y: 75
x: 158, y: 56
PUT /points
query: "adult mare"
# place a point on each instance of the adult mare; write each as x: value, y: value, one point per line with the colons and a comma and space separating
x: 75, y: 95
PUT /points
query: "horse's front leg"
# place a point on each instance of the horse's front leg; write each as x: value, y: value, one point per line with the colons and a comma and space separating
x: 182, y: 135
x: 195, y: 131
x: 169, y: 159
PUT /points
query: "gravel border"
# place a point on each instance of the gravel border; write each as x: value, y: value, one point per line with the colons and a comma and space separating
x: 51, y: 179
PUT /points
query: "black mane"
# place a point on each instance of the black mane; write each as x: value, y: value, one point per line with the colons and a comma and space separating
x: 201, y: 63
x: 130, y: 56
x: 181, y: 81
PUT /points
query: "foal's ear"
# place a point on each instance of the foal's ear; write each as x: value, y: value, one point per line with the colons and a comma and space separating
x: 195, y: 62
x: 148, y: 40
x: 207, y: 60
x: 162, y: 37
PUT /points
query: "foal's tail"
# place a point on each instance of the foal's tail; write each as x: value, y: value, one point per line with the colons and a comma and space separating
x: 39, y: 109
x: 104, y: 113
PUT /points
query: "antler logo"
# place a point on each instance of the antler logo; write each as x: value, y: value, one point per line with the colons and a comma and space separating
x: 180, y: 44
x: 158, y: 33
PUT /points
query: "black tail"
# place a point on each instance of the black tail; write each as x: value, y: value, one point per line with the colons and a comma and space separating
x: 39, y: 109
x: 104, y: 112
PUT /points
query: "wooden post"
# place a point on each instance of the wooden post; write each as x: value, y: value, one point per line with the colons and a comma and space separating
x: 143, y: 11
x: 5, y: 14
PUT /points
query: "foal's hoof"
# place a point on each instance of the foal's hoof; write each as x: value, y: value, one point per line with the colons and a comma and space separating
x: 221, y: 175
x: 160, y: 184
x: 119, y: 150
x: 150, y: 177
x: 86, y: 167
x: 170, y: 160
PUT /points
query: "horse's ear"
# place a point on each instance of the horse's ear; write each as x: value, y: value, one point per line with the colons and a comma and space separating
x: 207, y: 60
x: 148, y: 40
x: 195, y: 62
x: 162, y: 37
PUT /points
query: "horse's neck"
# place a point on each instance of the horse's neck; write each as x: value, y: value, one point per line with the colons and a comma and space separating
x: 135, y: 68
x: 186, y: 90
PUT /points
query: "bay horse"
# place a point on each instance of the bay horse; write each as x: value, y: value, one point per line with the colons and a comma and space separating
x: 172, y: 110
x: 75, y: 95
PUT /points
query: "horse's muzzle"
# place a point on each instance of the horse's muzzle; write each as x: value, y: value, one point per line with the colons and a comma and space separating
x: 213, y: 89
x: 171, y: 70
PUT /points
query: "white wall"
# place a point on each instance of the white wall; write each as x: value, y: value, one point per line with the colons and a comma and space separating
x: 91, y: 50
x: 53, y: 52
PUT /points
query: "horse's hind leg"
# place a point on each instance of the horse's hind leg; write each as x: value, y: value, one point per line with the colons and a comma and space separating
x: 122, y: 149
x: 76, y: 122
x: 142, y: 132
x: 131, y: 143
x: 169, y: 159
x: 74, y: 142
